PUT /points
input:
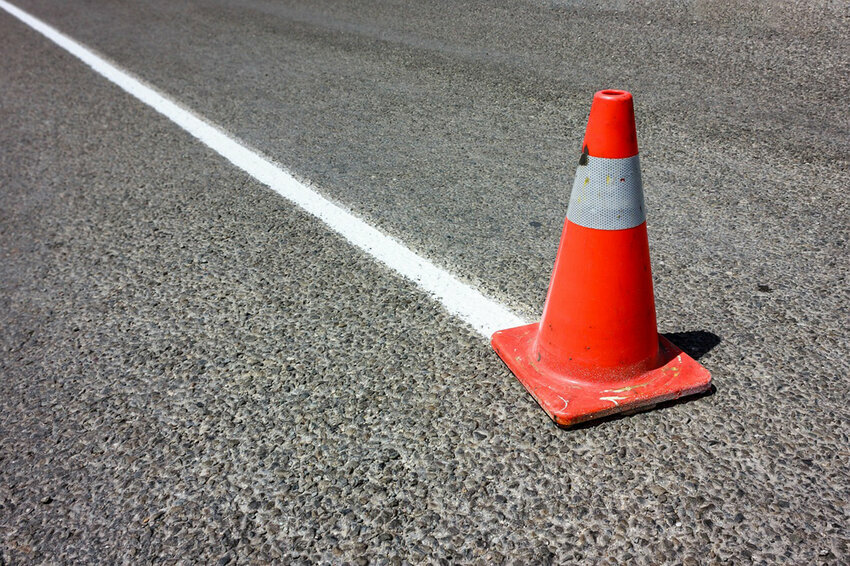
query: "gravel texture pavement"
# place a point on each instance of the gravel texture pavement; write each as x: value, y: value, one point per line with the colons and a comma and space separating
x: 191, y: 370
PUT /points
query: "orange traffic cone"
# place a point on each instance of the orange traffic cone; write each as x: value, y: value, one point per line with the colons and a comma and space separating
x: 597, y: 350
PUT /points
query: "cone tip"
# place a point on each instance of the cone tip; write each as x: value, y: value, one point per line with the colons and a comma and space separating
x: 613, y: 95
x: 611, y: 126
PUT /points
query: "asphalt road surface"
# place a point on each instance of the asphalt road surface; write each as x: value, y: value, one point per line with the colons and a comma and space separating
x: 194, y: 370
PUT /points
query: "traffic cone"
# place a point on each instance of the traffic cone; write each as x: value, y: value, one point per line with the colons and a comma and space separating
x: 596, y: 350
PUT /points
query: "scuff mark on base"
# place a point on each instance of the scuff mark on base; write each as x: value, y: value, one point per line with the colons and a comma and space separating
x: 613, y: 399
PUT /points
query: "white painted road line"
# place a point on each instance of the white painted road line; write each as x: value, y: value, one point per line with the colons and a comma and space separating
x: 463, y: 301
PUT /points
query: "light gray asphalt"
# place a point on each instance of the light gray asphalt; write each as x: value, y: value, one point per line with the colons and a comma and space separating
x: 193, y: 370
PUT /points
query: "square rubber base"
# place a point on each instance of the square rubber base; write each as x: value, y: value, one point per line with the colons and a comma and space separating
x: 570, y: 400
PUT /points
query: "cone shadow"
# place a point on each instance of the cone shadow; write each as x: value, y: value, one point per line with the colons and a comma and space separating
x: 695, y: 343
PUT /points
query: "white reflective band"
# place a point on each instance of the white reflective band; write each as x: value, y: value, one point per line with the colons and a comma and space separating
x: 607, y: 194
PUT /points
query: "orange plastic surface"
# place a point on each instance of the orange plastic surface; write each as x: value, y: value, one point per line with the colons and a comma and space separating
x: 600, y: 309
x: 611, y: 126
x: 570, y: 399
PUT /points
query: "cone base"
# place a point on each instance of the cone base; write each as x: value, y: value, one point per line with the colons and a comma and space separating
x: 570, y: 400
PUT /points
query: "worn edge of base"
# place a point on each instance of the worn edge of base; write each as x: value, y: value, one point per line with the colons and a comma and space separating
x: 625, y: 409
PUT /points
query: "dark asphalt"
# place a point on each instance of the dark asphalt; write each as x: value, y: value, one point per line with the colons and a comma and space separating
x: 192, y: 370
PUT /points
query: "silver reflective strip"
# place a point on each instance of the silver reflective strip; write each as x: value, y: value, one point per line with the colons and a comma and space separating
x: 607, y: 194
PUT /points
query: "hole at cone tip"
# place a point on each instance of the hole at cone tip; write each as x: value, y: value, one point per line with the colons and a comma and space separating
x: 609, y: 93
